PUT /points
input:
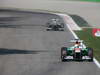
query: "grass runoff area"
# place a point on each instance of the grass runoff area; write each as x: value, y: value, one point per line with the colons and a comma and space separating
x: 92, y: 0
x: 90, y: 41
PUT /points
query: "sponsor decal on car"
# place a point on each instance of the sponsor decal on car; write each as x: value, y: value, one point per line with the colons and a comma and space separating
x: 77, y: 50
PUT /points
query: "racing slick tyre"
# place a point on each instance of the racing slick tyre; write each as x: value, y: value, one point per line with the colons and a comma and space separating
x: 90, y: 54
x: 63, y: 53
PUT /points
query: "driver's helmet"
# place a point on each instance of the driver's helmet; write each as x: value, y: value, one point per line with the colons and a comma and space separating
x: 77, y: 42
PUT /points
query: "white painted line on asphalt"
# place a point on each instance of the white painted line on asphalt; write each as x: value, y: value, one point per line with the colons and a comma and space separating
x: 71, y: 23
x: 76, y: 37
x: 96, y: 62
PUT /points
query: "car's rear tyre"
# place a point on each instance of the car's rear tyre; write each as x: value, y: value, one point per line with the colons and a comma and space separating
x: 90, y: 54
x: 63, y: 53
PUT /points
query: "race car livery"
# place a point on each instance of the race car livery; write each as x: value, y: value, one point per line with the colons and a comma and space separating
x: 55, y: 25
x: 77, y: 52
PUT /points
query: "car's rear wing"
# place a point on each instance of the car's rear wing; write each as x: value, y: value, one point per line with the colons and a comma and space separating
x: 76, y: 40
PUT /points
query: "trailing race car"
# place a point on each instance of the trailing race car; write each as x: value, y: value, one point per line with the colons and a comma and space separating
x: 55, y: 25
x: 77, y: 52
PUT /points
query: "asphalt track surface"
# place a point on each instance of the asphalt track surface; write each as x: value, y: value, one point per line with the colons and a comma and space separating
x: 90, y: 11
x: 26, y: 48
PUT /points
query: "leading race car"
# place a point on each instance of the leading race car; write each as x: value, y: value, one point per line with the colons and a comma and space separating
x: 77, y: 52
x: 55, y: 25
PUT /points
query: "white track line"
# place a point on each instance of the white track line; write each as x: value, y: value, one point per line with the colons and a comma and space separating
x: 97, y: 63
x: 71, y: 23
x: 76, y: 37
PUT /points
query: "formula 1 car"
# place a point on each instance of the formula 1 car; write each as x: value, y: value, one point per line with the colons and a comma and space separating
x: 77, y: 52
x: 55, y: 25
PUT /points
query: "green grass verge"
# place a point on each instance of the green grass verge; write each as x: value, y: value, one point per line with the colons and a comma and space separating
x: 90, y: 41
x: 92, y: 0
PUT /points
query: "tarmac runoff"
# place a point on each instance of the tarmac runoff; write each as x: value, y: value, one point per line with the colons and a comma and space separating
x: 73, y: 26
